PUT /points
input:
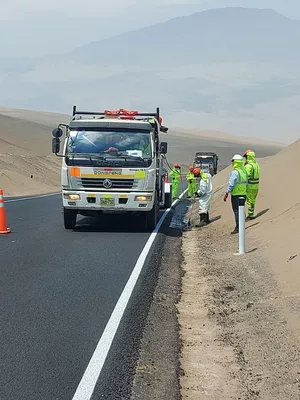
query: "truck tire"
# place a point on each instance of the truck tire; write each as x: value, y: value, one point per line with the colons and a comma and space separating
x: 70, y: 217
x: 151, y: 217
x: 168, y: 200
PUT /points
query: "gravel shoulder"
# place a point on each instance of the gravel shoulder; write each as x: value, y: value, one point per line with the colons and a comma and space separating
x: 158, y: 368
x: 238, y: 342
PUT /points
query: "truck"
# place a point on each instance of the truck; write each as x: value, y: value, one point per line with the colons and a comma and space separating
x: 207, y: 161
x: 112, y: 162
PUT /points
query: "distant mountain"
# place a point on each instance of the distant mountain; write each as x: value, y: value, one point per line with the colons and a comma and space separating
x: 226, y: 34
x: 289, y: 8
x: 42, y: 33
x: 233, y: 69
x: 39, y: 34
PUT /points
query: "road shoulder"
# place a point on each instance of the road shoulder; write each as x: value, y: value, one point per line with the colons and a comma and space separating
x: 237, y: 341
x: 158, y: 367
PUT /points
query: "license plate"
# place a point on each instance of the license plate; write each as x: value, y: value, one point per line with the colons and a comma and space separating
x: 100, y: 171
x: 107, y: 202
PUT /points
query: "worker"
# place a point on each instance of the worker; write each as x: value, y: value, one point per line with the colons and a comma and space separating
x: 237, y: 186
x: 175, y: 175
x: 205, y: 191
x: 192, y: 187
x: 197, y: 172
x: 253, y: 171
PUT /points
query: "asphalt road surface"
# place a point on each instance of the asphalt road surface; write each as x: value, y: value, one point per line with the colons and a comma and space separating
x: 58, y: 290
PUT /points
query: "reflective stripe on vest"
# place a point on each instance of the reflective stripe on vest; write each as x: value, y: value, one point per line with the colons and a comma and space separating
x: 240, y: 187
x: 253, y: 179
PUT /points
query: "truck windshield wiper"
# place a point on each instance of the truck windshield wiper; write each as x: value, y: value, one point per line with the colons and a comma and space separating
x: 130, y: 157
x: 105, y: 156
x: 87, y: 155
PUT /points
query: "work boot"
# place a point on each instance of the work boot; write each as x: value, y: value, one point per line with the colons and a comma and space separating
x: 202, y: 221
x: 207, y: 218
x: 236, y: 230
x: 250, y: 217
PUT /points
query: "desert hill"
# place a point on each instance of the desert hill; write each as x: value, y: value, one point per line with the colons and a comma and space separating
x: 276, y: 231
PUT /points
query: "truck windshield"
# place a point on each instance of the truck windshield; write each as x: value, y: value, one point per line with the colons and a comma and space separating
x: 131, y: 143
x: 205, y: 160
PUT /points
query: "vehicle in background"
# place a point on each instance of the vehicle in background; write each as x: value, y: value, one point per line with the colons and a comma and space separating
x: 207, y: 161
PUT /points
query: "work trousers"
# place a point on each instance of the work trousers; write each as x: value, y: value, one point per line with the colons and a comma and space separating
x: 235, y: 209
x: 192, y: 188
x: 175, y: 187
x: 251, y: 199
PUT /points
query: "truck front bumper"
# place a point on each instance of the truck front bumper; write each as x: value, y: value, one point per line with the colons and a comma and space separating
x: 83, y: 201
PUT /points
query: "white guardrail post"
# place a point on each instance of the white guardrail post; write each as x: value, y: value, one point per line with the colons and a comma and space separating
x: 242, y: 229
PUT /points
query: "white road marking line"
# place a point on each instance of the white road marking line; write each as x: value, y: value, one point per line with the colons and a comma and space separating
x: 90, y: 377
x: 32, y: 197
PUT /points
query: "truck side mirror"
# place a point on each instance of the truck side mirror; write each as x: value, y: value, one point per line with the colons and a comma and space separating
x: 57, y: 133
x: 55, y: 145
x: 164, y: 129
x: 164, y: 147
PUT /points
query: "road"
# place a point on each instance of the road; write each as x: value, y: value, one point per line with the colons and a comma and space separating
x: 58, y: 290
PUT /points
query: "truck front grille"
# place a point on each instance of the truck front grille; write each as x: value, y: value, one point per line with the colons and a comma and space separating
x: 89, y: 183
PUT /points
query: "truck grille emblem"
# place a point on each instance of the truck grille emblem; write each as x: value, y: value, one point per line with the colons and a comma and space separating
x: 107, y: 183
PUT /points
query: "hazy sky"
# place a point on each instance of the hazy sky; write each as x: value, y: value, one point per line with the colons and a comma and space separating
x: 19, y: 9
x: 15, y: 9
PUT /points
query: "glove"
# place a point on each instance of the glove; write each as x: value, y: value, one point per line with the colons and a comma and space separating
x: 225, y: 197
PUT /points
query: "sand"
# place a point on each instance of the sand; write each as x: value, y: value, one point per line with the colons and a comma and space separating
x: 239, y: 315
x: 27, y: 165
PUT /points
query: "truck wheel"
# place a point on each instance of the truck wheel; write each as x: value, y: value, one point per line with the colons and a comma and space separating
x: 70, y: 217
x: 151, y: 216
x: 168, y: 200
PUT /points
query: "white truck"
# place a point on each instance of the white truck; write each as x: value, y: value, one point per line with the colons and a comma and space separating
x: 112, y: 162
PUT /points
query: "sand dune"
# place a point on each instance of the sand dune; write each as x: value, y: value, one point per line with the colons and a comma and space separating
x: 213, y: 134
x: 276, y: 231
x: 248, y: 305
x: 28, y: 166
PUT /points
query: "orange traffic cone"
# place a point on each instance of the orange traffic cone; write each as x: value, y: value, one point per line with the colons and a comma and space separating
x: 3, y: 227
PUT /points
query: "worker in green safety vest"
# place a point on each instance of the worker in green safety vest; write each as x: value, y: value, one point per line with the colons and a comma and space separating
x: 192, y: 182
x: 237, y: 187
x: 175, y: 175
x: 253, y: 171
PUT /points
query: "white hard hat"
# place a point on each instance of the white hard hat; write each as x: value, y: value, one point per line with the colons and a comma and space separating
x: 237, y: 157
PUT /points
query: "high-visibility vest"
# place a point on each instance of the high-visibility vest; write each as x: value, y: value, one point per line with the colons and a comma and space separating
x: 240, y: 187
x: 175, y: 175
x: 190, y: 176
x: 253, y: 171
x: 203, y: 176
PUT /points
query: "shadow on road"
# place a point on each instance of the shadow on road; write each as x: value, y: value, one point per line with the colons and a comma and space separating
x: 112, y: 223
x: 250, y: 226
x: 262, y: 212
x: 252, y: 251
x: 214, y: 219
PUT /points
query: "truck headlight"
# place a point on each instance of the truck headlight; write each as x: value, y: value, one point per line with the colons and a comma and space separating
x: 143, y: 198
x: 71, y: 196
